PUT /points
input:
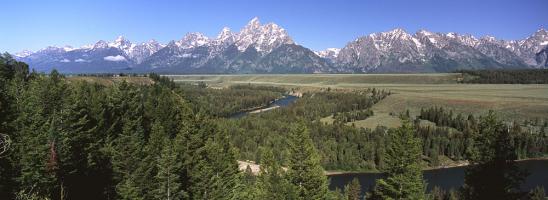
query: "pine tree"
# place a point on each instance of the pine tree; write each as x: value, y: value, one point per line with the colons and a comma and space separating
x: 404, y: 176
x: 210, y: 170
x: 304, y: 170
x: 271, y: 183
x: 38, y: 135
x: 149, y: 168
x: 79, y: 148
x: 353, y: 190
x: 167, y: 179
x: 127, y: 154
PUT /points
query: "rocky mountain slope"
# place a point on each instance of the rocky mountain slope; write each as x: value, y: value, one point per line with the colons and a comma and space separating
x: 268, y: 48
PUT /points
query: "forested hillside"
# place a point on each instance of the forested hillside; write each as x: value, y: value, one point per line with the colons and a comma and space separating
x: 89, y: 141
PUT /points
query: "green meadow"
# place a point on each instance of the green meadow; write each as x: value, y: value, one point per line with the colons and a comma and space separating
x: 409, y: 92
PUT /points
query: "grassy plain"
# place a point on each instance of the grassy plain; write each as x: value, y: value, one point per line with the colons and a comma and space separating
x: 410, y: 91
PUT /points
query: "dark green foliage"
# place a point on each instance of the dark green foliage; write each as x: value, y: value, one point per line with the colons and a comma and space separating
x: 494, y: 173
x: 229, y: 101
x: 344, y: 117
x: 304, y: 170
x: 339, y: 146
x: 404, y: 174
x: 353, y: 190
x: 455, y: 136
x: 271, y: 181
x: 167, y: 180
x: 514, y: 76
x: 12, y: 78
x: 86, y: 141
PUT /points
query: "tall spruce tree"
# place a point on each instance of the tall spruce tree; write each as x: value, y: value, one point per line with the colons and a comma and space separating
x: 210, y: 170
x: 304, y: 169
x: 271, y: 181
x: 167, y: 180
x: 39, y: 136
x: 404, y: 176
x: 353, y: 190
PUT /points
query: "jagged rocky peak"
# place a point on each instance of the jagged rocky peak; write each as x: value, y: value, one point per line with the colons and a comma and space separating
x: 398, y: 32
x: 191, y: 40
x: 426, y: 36
x: 542, y: 32
x: 264, y: 38
x: 151, y: 42
x: 101, y: 44
x: 252, y: 25
x: 394, y: 34
x: 120, y: 42
x: 471, y: 41
x: 225, y: 36
x: 542, y: 36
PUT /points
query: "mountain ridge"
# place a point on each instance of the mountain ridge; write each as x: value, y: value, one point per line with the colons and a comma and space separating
x: 268, y: 48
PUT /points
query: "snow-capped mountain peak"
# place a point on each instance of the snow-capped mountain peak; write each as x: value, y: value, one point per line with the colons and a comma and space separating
x: 397, y: 32
x: 191, y: 40
x: 101, y: 44
x: 264, y: 38
x: 120, y: 42
x: 226, y: 36
x: 253, y: 24
x: 23, y: 54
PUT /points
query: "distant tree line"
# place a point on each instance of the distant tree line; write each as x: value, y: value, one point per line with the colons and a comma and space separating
x: 455, y: 139
x: 505, y: 76
x: 351, y: 116
x: 225, y: 102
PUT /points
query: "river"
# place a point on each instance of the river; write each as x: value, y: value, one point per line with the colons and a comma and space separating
x: 448, y: 178
x: 278, y: 103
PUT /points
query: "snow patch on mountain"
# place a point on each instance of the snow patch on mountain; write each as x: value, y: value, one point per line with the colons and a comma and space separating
x: 329, y: 53
x: 23, y: 54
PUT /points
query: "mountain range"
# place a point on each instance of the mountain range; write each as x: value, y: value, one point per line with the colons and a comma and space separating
x: 268, y: 48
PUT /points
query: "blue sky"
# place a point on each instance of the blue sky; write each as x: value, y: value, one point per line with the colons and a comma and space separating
x: 316, y: 24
